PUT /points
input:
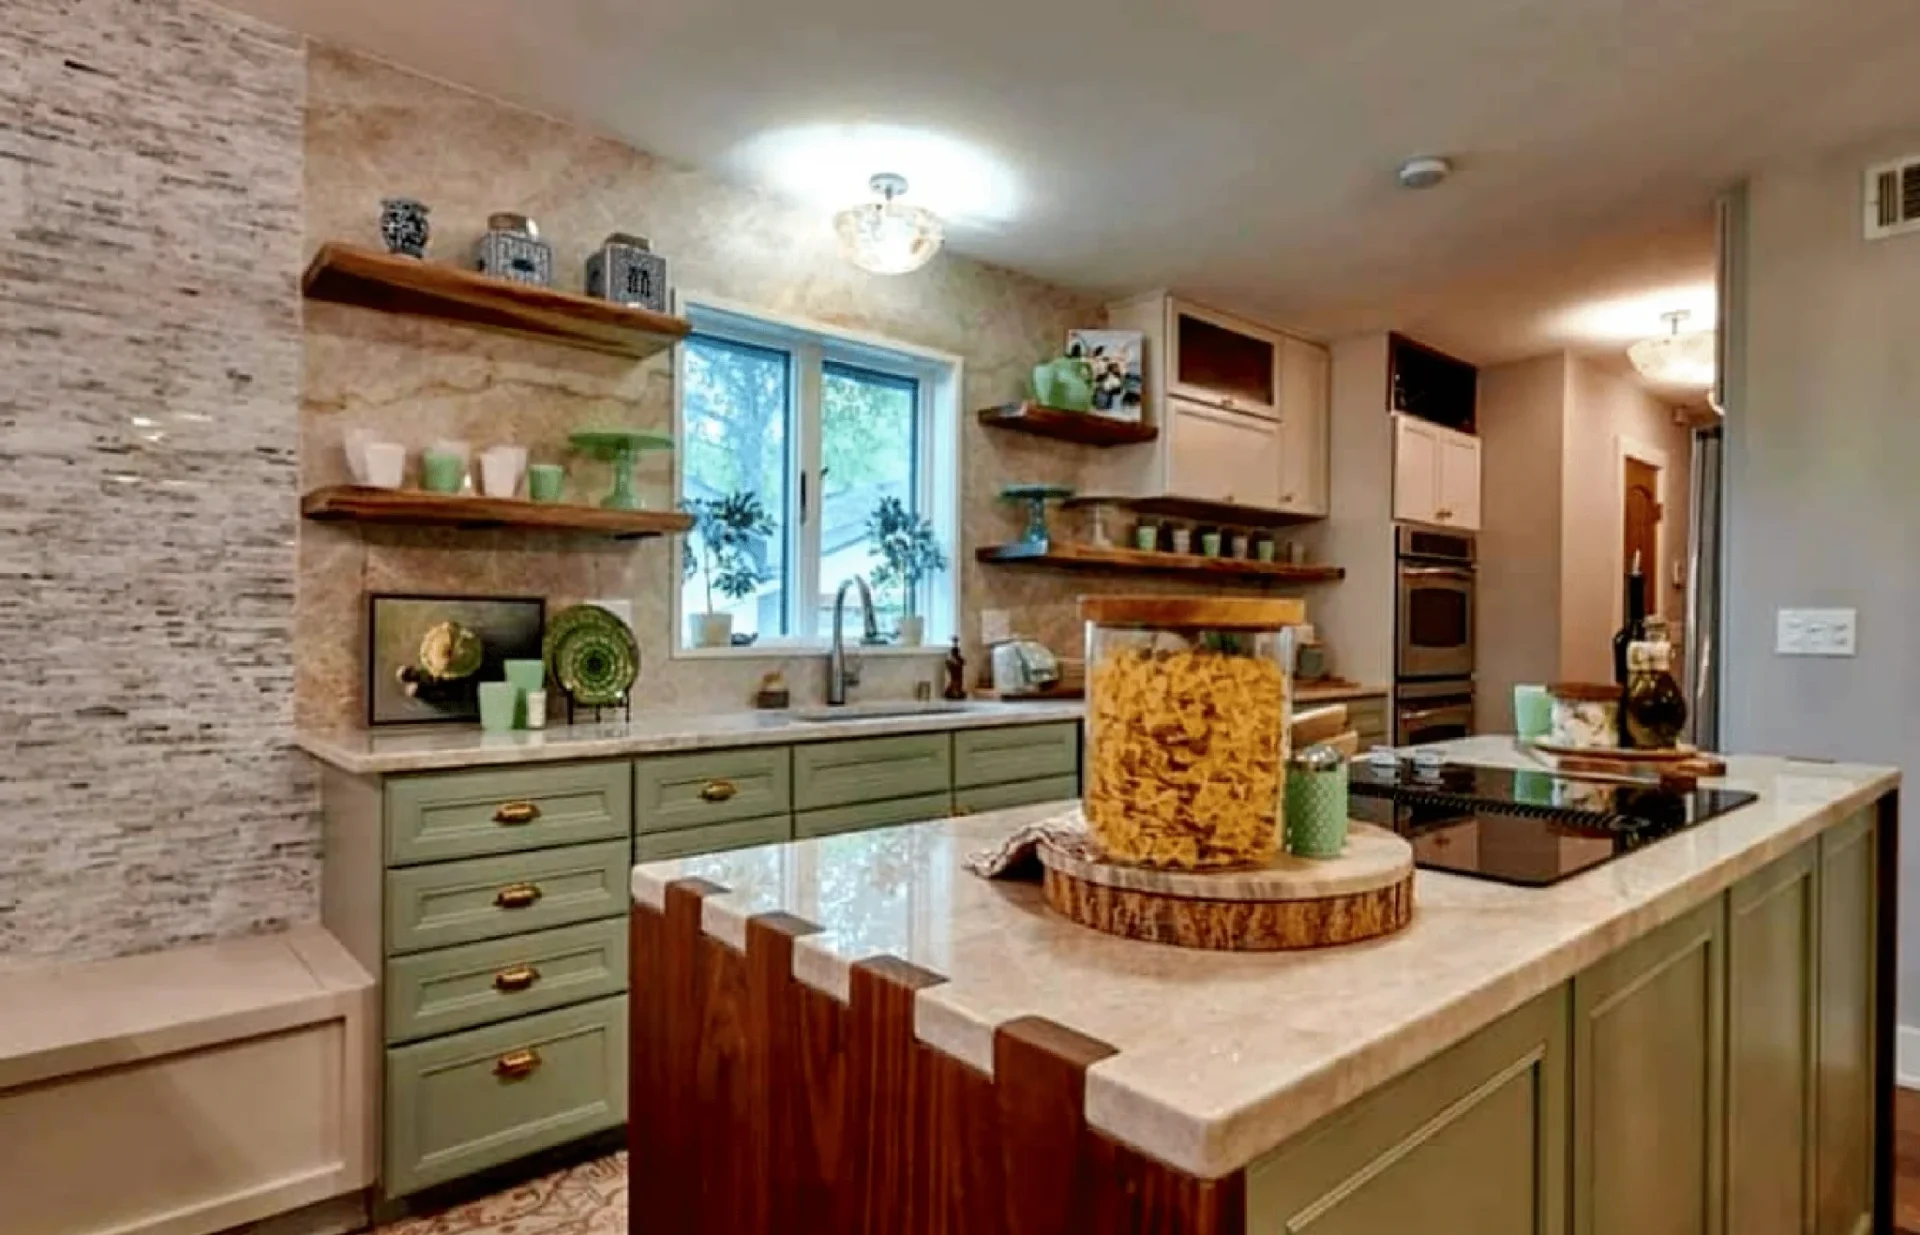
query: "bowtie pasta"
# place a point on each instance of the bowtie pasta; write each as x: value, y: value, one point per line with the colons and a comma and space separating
x: 1188, y: 753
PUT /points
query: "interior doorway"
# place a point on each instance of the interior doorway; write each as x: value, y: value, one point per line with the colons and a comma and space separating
x: 1641, y: 513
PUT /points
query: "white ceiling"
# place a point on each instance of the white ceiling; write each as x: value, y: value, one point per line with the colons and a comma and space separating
x: 1241, y: 151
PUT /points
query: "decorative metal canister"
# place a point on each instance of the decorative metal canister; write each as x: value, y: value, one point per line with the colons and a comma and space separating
x: 1316, y: 816
x: 627, y: 271
x: 512, y: 249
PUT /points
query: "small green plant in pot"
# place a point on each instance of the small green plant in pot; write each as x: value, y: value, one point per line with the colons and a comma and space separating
x: 720, y: 551
x: 908, y: 553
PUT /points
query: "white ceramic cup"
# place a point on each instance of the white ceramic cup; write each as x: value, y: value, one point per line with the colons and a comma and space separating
x: 386, y: 464
x: 500, y: 470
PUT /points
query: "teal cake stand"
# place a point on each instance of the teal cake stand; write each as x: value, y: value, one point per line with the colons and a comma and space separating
x: 622, y: 448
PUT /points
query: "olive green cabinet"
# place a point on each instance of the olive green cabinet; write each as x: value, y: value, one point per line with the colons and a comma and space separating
x: 1845, y: 1083
x: 1473, y: 1142
x: 1772, y: 993
x: 1648, y: 1056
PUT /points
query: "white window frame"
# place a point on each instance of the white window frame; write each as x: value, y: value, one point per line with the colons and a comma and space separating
x: 811, y: 344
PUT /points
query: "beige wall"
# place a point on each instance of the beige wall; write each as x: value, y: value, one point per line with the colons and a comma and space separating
x: 1606, y: 408
x: 1522, y: 422
x: 1822, y: 507
x: 375, y: 130
x: 1552, y: 431
x: 1356, y: 617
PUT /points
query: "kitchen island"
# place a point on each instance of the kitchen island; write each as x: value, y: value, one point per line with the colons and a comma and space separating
x: 856, y: 1034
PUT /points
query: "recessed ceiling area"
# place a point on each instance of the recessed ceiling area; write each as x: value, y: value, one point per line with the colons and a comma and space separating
x: 1241, y: 153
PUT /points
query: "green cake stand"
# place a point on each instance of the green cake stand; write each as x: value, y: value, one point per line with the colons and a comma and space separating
x: 622, y: 448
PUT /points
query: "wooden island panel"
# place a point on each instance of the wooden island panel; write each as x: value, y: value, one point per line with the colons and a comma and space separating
x: 759, y: 1104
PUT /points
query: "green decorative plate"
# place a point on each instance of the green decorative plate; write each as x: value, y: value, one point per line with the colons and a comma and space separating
x: 592, y: 654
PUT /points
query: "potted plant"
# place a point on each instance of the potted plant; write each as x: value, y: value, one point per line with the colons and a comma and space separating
x: 908, y: 553
x: 725, y: 529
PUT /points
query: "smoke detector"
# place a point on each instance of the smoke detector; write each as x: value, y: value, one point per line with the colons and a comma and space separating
x: 1424, y: 171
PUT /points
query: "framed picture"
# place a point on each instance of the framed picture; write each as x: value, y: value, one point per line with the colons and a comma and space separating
x: 427, y: 655
x: 1118, y: 374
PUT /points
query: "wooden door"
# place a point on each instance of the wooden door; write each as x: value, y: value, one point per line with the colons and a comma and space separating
x: 1641, y: 522
x: 1223, y: 456
x: 1649, y: 1040
x: 1416, y: 470
x: 1459, y: 483
x: 1771, y: 929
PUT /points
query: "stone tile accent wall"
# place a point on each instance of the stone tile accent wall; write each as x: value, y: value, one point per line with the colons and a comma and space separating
x: 150, y: 220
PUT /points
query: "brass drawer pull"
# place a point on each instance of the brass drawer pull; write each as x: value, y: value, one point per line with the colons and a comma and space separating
x: 516, y: 812
x: 517, y: 896
x: 515, y: 1064
x: 519, y: 978
x: 718, y: 791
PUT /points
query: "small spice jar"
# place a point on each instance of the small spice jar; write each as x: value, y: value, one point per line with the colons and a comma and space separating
x: 1585, y: 715
x: 1656, y: 711
x: 1316, y: 813
x: 1187, y: 728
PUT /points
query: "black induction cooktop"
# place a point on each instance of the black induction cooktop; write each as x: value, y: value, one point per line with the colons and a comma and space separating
x: 1523, y: 827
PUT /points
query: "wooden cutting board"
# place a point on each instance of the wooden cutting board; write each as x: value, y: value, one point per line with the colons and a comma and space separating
x: 1289, y: 903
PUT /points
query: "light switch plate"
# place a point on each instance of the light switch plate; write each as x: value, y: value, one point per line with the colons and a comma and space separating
x: 1816, y: 632
x: 996, y: 625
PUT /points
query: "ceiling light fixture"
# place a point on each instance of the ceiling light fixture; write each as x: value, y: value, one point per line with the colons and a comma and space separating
x: 888, y: 236
x: 1674, y: 358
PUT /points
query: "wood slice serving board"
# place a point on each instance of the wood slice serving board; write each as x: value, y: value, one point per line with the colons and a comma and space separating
x: 1289, y: 903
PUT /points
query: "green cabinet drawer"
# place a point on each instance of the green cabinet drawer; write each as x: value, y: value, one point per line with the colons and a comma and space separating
x: 829, y: 774
x: 1020, y: 752
x: 659, y: 846
x: 460, y: 1104
x: 982, y: 798
x: 434, y: 818
x: 837, y: 819
x: 458, y: 988
x: 690, y: 791
x: 462, y: 902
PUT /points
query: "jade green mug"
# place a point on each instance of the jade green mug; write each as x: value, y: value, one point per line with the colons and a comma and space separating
x: 498, y: 702
x: 442, y: 471
x: 544, y: 481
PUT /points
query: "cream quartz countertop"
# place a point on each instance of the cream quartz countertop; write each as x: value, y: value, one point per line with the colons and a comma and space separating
x: 1222, y: 1056
x: 372, y: 753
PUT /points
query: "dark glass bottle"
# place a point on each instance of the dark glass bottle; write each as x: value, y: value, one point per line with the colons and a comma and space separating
x: 1655, y: 711
x: 1632, y: 632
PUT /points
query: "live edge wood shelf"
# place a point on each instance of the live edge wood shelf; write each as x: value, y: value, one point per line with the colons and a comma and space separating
x: 1089, y: 557
x: 348, y: 274
x: 1084, y: 427
x: 357, y: 504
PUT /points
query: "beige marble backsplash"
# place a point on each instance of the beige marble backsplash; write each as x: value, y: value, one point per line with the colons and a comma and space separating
x: 374, y: 130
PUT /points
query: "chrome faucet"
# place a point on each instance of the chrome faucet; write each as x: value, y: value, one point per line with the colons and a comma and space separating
x: 843, y: 671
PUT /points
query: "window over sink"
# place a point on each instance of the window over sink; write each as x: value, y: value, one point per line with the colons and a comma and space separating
x: 820, y: 425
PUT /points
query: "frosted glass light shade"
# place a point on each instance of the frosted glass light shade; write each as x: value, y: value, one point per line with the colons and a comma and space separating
x: 889, y: 236
x: 1676, y: 359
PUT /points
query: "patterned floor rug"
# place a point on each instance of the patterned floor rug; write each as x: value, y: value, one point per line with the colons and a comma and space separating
x: 588, y: 1199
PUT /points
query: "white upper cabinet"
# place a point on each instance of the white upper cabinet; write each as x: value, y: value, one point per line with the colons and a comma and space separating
x: 1217, y: 455
x: 1222, y: 361
x: 1305, y: 405
x: 1242, y: 410
x: 1436, y: 474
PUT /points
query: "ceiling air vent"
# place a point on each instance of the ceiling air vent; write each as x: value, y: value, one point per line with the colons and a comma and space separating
x: 1893, y: 198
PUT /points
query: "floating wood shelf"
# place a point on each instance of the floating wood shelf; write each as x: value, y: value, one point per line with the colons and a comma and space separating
x: 348, y: 274
x: 1088, y: 557
x: 358, y: 504
x: 1087, y: 428
x: 1199, y: 510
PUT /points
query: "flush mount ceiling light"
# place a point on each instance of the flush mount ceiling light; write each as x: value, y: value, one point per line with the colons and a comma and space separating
x: 1424, y: 171
x: 1676, y: 358
x: 888, y: 236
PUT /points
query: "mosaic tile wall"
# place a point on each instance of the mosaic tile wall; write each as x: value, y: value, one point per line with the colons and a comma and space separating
x: 375, y: 130
x: 149, y: 378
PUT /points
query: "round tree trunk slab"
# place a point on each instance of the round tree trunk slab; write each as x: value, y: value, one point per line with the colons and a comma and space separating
x: 1289, y: 903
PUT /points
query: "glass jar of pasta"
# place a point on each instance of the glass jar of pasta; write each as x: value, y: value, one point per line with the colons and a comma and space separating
x: 1187, y: 727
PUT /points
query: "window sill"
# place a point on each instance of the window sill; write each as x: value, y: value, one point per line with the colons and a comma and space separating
x: 801, y: 651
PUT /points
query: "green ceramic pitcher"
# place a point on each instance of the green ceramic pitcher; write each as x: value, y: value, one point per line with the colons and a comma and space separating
x: 1064, y: 383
